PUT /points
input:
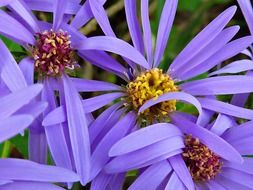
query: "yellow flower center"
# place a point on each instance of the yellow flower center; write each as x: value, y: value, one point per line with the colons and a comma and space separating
x: 150, y: 85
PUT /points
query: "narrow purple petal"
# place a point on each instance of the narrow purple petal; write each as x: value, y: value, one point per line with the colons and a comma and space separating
x: 165, y: 24
x: 246, y: 166
x: 84, y: 14
x: 219, y: 85
x: 5, y: 2
x: 211, y: 140
x: 173, y: 96
x: 117, y: 182
x: 21, y: 185
x: 84, y: 85
x: 246, y: 7
x: 27, y: 67
x: 174, y: 183
x: 146, y: 156
x: 216, y: 45
x: 147, y: 33
x: 229, y: 184
x: 3, y: 182
x: 55, y: 133
x: 221, y: 124
x: 9, y: 27
x: 243, y: 146
x: 240, y: 132
x: 133, y: 25
x: 101, y: 17
x: 11, y: 103
x: 226, y: 108
x: 56, y: 116
x: 5, y: 55
x: 114, y: 45
x: 104, y: 61
x: 59, y: 10
x: 14, y: 125
x: 92, y: 104
x: 17, y: 169
x: 101, y: 181
x: 151, y: 134
x: 48, y: 6
x: 203, y: 39
x: 37, y: 146
x: 96, y: 127
x: 25, y: 14
x: 214, y: 185
x: 152, y: 177
x: 229, y: 50
x: 239, y: 99
x: 238, y: 177
x: 13, y: 77
x: 180, y: 168
x: 235, y: 67
x: 100, y: 155
x: 78, y: 130
x: 106, y: 127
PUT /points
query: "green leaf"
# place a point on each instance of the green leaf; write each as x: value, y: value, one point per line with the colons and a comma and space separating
x: 12, y: 46
x: 21, y: 143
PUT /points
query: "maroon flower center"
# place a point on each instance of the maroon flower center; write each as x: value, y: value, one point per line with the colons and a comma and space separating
x: 202, y: 163
x: 53, y: 53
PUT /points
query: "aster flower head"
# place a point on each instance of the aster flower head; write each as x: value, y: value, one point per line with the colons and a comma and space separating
x: 150, y: 94
x: 211, y: 156
x: 18, y: 111
x: 51, y: 56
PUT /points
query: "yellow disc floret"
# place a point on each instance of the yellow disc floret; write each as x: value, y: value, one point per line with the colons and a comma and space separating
x: 150, y: 85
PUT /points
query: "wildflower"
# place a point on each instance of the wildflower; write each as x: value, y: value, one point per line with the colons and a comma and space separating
x: 51, y: 57
x: 210, y: 156
x: 149, y: 90
x: 18, y: 111
x: 151, y: 93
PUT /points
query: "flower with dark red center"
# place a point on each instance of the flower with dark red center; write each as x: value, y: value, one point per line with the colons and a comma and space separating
x: 202, y: 163
x: 53, y: 53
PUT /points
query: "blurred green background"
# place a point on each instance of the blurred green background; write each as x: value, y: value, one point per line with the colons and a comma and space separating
x: 191, y: 17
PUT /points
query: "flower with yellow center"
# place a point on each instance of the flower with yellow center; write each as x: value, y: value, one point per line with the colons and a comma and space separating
x: 150, y: 85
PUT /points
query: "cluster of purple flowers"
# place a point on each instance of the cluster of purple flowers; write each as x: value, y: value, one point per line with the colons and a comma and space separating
x: 142, y: 130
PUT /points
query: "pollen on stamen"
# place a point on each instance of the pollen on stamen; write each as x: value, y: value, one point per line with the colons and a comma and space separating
x: 150, y: 85
x: 52, y: 53
x: 203, y: 164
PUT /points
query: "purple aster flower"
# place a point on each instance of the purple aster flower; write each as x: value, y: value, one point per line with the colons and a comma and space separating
x: 18, y: 111
x: 213, y: 156
x: 149, y: 90
x: 51, y: 50
x: 150, y: 94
